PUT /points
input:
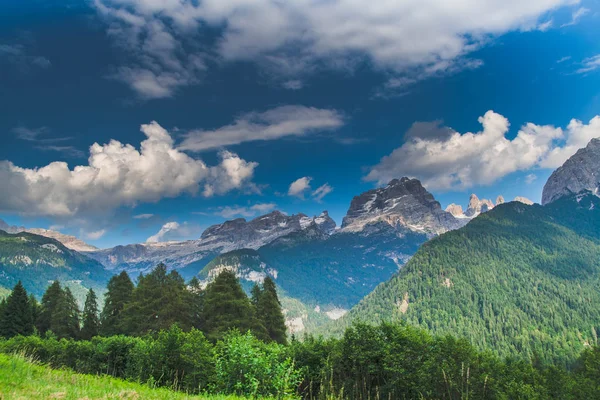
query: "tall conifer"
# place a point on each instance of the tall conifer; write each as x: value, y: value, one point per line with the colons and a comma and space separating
x: 91, y: 323
x: 119, y: 290
x: 269, y: 311
x: 17, y: 318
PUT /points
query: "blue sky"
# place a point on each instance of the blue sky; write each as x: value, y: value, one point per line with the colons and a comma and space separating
x: 249, y: 97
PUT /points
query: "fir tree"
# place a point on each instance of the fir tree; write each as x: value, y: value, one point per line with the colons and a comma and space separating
x: 119, y: 290
x: 50, y: 299
x: 16, y: 314
x: 226, y: 307
x: 159, y: 301
x: 269, y: 311
x: 91, y: 323
x: 65, y: 318
x: 197, y: 302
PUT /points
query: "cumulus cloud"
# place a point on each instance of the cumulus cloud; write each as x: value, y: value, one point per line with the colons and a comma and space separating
x: 459, y: 161
x: 174, y: 231
x: 272, y: 124
x: 118, y: 175
x: 243, y: 211
x: 321, y: 192
x: 411, y: 37
x: 299, y: 187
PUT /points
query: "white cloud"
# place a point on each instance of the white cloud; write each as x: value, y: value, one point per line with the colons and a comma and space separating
x: 459, y: 161
x: 235, y: 211
x: 173, y: 231
x: 272, y: 124
x: 143, y: 216
x: 118, y: 175
x: 299, y: 187
x: 563, y: 59
x: 94, y: 235
x: 576, y: 16
x: 16, y: 54
x: 544, y: 26
x: 321, y: 192
x: 530, y: 178
x: 590, y: 64
x: 294, y: 37
x: 294, y: 84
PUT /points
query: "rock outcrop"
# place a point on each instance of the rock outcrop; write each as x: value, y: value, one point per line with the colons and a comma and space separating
x: 403, y: 204
x: 578, y: 173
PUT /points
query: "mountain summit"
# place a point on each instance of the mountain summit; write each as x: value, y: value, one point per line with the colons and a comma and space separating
x: 404, y: 204
x: 578, y: 173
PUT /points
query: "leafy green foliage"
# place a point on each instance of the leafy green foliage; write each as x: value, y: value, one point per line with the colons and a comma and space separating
x: 518, y: 280
x: 249, y: 367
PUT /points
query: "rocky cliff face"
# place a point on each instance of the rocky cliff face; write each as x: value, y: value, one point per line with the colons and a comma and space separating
x: 578, y: 173
x: 404, y: 204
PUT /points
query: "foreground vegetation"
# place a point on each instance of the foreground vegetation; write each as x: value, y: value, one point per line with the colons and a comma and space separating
x: 388, y: 361
x: 22, y: 378
x: 218, y: 341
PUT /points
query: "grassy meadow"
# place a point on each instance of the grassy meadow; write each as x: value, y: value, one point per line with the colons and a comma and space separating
x: 22, y: 379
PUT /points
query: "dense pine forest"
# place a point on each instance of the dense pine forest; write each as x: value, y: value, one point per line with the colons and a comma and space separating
x: 165, y: 332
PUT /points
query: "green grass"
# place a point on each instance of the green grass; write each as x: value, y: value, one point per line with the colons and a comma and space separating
x: 22, y: 379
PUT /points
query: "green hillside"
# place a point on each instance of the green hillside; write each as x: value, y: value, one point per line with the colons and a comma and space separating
x: 38, y: 260
x: 520, y: 280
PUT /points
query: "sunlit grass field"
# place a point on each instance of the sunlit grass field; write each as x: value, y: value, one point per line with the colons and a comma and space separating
x: 22, y: 379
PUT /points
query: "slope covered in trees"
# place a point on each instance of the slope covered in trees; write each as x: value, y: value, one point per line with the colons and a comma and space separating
x: 519, y: 280
x: 36, y: 260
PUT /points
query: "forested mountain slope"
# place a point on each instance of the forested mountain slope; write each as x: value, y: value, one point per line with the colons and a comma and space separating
x: 519, y: 280
x: 37, y: 261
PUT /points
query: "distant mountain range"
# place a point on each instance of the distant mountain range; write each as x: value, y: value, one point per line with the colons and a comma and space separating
x: 323, y: 271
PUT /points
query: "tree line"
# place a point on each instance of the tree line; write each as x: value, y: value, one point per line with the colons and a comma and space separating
x: 216, y: 339
x: 159, y: 300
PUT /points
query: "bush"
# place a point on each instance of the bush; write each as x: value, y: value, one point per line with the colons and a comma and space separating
x: 245, y: 366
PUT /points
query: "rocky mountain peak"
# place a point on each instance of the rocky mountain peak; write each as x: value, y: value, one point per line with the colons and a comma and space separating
x: 404, y: 204
x: 499, y: 200
x: 456, y: 210
x: 70, y: 242
x: 578, y: 173
x: 477, y: 206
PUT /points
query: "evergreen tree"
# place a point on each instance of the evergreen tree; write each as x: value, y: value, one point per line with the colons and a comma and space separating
x: 269, y: 311
x: 50, y: 299
x: 226, y: 307
x: 2, y: 306
x: 35, y: 309
x: 17, y: 318
x: 160, y: 300
x: 65, y: 318
x: 197, y: 302
x: 119, y: 290
x: 91, y: 323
